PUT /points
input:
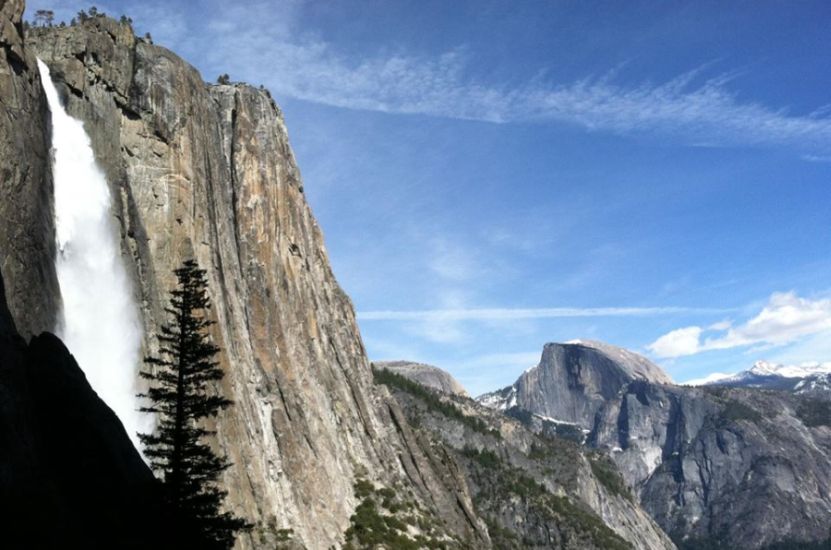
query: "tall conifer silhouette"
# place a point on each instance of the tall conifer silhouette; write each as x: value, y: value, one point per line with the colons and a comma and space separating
x: 180, y: 377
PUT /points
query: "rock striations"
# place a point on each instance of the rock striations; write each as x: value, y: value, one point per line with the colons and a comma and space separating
x: 738, y: 468
x: 573, y: 381
x: 207, y: 172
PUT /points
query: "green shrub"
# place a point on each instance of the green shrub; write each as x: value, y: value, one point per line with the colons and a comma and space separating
x: 370, y: 527
x: 814, y: 412
x: 608, y: 475
x: 503, y: 482
x: 485, y: 458
x: 284, y: 535
x: 364, y: 488
x: 735, y: 411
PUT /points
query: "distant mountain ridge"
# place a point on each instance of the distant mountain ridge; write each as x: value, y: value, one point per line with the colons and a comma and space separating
x: 807, y: 377
x: 426, y: 375
x: 716, y: 466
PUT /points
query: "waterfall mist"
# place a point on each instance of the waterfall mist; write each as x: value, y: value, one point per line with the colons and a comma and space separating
x: 99, y: 322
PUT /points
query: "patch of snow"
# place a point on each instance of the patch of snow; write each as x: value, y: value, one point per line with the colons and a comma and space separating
x: 652, y: 456
x: 819, y: 382
x: 554, y: 420
x: 499, y: 400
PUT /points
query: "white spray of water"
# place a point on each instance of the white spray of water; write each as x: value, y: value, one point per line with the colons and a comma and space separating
x: 99, y: 321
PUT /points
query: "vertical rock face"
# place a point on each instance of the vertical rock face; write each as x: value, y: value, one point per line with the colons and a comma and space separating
x: 574, y: 380
x: 207, y: 172
x: 27, y: 234
x: 741, y: 468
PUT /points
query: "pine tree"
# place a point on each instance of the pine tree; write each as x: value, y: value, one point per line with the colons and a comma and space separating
x: 180, y: 377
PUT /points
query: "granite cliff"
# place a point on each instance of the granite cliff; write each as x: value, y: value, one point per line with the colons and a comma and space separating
x: 574, y: 380
x: 716, y: 467
x: 207, y: 172
x: 27, y: 242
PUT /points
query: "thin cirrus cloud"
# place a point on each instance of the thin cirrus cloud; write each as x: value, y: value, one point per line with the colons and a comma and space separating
x: 693, y: 111
x: 786, y: 318
x: 263, y: 38
x: 508, y: 314
x: 693, y: 108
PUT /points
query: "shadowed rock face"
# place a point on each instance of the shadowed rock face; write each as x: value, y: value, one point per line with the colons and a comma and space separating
x: 69, y: 475
x: 207, y: 172
x: 574, y: 380
x: 27, y: 232
x: 426, y: 375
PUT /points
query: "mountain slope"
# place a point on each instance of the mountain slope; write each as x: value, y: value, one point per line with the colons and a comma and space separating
x: 426, y: 375
x: 532, y: 491
x: 716, y: 467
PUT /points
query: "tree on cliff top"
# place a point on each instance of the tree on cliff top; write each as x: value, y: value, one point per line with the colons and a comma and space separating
x: 44, y: 18
x: 181, y: 378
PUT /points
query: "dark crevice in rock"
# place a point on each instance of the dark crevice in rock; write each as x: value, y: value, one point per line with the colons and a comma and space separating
x: 284, y: 402
x: 235, y: 206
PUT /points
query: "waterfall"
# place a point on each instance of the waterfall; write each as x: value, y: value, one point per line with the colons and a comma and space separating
x: 99, y: 322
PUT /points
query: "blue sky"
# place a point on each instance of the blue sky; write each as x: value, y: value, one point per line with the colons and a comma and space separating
x: 494, y: 175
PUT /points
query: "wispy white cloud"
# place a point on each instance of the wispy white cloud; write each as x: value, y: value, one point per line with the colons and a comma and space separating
x: 267, y: 40
x: 452, y: 261
x: 508, y: 314
x: 786, y: 318
x: 692, y: 107
x: 817, y: 158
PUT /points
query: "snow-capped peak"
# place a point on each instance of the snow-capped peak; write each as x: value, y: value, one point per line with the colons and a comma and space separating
x: 766, y: 374
x: 766, y: 368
